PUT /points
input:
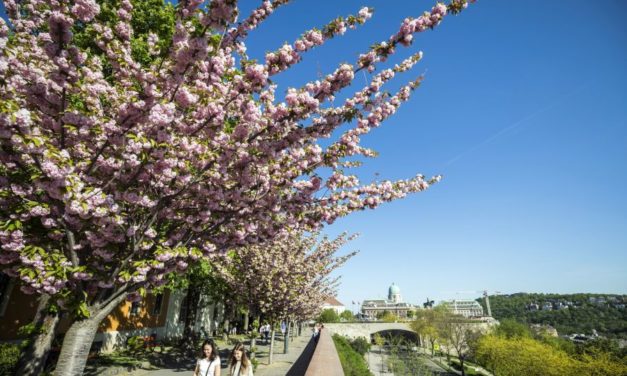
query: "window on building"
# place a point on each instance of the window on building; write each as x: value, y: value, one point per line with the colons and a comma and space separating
x: 158, y: 303
x: 5, y: 292
x: 183, y: 311
x: 135, y: 309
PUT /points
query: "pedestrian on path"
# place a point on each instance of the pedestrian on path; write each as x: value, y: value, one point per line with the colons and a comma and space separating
x: 316, y: 331
x: 266, y: 332
x: 209, y: 362
x: 239, y: 365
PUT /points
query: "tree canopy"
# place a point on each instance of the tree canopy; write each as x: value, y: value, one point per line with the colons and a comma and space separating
x: 133, y: 143
x: 568, y: 313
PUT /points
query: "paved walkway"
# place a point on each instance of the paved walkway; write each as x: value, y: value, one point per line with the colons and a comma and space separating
x: 377, y: 362
x: 281, y: 364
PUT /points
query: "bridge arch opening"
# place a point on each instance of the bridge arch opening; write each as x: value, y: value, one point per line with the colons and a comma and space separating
x: 393, y: 336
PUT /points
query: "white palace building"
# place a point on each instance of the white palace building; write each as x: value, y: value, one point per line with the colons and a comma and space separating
x: 373, y: 308
x: 394, y: 304
x: 466, y: 308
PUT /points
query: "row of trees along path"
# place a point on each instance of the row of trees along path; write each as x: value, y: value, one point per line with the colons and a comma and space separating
x: 130, y: 149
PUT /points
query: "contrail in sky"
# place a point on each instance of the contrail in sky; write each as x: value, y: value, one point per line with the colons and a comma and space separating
x: 517, y: 124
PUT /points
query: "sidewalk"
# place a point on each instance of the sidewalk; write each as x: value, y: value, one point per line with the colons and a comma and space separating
x: 377, y: 362
x: 281, y: 364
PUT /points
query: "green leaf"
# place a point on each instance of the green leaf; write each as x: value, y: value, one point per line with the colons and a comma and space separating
x: 82, y: 311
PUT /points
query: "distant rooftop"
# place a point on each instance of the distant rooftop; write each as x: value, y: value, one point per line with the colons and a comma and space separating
x: 331, y: 300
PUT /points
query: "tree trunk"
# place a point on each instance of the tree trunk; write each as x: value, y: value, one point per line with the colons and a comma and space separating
x: 461, y: 363
x: 246, y: 319
x: 252, y: 348
x: 271, y: 345
x: 6, y: 292
x: 192, y: 300
x: 78, y: 340
x: 286, y: 338
x: 225, y: 329
x: 228, y: 314
x: 33, y: 358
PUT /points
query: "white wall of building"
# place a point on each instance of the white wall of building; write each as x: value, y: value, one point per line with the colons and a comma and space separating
x: 338, y: 309
x: 173, y: 328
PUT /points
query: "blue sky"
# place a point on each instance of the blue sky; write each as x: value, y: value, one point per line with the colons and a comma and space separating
x: 524, y: 112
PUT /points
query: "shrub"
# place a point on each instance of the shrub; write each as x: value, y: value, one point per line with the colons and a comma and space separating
x: 360, y: 345
x: 353, y: 363
x: 9, y: 354
x: 135, y: 344
x: 408, y: 364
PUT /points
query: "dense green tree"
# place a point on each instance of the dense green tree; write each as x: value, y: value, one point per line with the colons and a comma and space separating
x: 456, y: 332
x: 521, y: 356
x: 387, y: 316
x: 347, y: 316
x: 525, y: 356
x: 603, y: 312
x: 425, y: 325
x: 510, y: 328
x: 558, y: 343
x: 148, y: 17
x: 606, y: 345
x: 328, y: 315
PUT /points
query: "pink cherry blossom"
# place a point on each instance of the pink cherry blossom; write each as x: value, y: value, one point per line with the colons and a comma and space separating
x: 150, y: 168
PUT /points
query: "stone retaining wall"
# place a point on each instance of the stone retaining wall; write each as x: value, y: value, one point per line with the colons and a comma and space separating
x: 364, y: 330
x: 325, y: 360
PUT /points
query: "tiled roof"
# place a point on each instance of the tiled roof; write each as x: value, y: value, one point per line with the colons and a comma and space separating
x: 331, y: 300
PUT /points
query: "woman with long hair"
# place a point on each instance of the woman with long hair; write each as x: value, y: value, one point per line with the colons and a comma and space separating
x: 239, y: 365
x: 209, y: 362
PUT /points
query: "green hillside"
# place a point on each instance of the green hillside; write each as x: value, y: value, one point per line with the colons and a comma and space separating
x: 569, y: 314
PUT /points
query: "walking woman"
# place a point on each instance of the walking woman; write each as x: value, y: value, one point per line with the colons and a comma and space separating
x: 239, y: 365
x: 209, y: 363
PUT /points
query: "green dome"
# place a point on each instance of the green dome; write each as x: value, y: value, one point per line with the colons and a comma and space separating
x: 394, y: 290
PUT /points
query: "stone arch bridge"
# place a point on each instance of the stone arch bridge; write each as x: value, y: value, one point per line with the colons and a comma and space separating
x: 368, y: 329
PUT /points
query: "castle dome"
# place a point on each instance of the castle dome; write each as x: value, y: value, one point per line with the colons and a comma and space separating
x: 394, y: 290
x: 394, y: 294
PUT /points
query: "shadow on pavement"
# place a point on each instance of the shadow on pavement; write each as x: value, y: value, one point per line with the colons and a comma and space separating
x: 300, y: 366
